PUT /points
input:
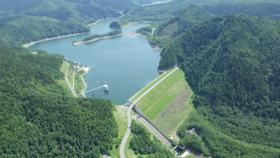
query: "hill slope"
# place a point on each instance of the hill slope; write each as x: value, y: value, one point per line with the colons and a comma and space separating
x: 38, y: 119
x: 160, y: 12
x: 45, y: 18
x: 188, y: 18
x: 263, y: 8
x: 232, y: 64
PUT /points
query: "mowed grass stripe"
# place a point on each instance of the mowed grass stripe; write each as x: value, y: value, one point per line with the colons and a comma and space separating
x: 162, y: 95
x: 175, y: 113
x: 132, y: 99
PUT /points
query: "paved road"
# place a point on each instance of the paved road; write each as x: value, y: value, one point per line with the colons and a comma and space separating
x: 129, y: 117
x: 66, y: 78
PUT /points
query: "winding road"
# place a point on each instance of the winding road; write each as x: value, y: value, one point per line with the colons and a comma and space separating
x: 129, y: 117
x: 66, y: 79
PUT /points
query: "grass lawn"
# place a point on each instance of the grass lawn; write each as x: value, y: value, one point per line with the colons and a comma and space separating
x: 162, y: 95
x: 149, y: 86
x: 79, y: 84
x: 120, y: 116
x: 169, y: 120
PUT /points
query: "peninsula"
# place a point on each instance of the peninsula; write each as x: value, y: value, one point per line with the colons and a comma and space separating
x: 96, y: 37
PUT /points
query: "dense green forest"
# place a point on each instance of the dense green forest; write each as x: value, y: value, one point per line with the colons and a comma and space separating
x: 23, y: 21
x: 188, y: 18
x: 162, y: 12
x: 159, y: 12
x: 117, y: 5
x: 141, y: 143
x: 39, y: 119
x: 112, y: 33
x: 115, y: 25
x: 258, y: 8
x: 26, y: 21
x: 232, y: 64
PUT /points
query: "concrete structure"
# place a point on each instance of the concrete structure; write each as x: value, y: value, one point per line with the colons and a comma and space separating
x: 105, y: 86
x: 128, y: 130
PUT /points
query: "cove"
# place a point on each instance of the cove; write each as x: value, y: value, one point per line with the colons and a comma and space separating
x: 125, y: 63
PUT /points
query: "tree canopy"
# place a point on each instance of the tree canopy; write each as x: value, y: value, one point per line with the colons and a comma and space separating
x: 39, y: 119
x: 232, y: 64
x: 142, y: 144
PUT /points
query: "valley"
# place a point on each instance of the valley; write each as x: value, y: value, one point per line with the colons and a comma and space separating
x: 163, y: 79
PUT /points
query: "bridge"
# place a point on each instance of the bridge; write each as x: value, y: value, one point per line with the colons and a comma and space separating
x: 105, y: 86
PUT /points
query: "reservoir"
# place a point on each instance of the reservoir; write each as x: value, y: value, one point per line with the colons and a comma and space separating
x: 125, y: 63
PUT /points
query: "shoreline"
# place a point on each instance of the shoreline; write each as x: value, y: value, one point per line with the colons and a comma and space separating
x: 133, y: 23
x: 157, y: 48
x: 128, y: 33
x: 101, y: 20
x: 106, y: 37
x: 26, y: 45
x: 47, y: 39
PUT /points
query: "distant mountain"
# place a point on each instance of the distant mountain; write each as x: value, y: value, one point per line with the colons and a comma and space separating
x: 23, y: 21
x: 163, y: 12
x: 113, y: 4
x: 232, y: 64
x: 160, y: 12
x: 262, y: 8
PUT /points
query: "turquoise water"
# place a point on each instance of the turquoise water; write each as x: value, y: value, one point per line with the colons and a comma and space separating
x: 125, y: 63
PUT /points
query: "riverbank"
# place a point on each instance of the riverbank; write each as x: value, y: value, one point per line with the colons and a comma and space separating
x: 102, y: 20
x: 26, y: 45
x: 47, y: 39
x: 105, y: 37
x: 133, y: 23
x: 154, y: 47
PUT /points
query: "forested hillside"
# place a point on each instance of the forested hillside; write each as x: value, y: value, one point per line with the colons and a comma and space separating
x: 120, y: 5
x: 232, y: 64
x: 142, y: 143
x: 23, y: 21
x: 39, y: 119
x: 160, y: 12
x: 263, y: 8
x: 188, y: 18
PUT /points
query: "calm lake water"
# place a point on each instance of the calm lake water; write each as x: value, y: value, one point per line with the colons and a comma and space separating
x: 125, y: 63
